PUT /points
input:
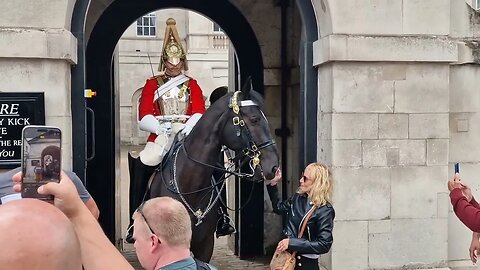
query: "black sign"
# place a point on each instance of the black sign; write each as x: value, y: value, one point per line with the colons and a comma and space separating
x: 16, y: 111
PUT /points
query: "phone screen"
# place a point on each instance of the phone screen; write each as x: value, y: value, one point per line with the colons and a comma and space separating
x: 41, y: 159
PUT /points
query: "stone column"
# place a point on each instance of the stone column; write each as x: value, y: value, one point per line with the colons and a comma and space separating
x: 384, y: 129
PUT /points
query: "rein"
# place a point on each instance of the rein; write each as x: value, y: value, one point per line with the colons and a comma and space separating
x: 250, y: 154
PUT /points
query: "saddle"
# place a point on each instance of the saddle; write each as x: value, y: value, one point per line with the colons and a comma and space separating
x: 177, y: 142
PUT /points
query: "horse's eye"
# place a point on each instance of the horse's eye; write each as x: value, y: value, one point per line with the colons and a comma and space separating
x: 254, y: 119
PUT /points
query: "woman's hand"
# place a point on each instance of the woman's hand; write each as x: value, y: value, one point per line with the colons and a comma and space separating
x: 283, y: 245
x: 277, y: 178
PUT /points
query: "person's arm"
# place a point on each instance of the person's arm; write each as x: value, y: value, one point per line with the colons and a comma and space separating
x: 323, y: 237
x: 147, y: 97
x: 83, y: 193
x: 98, y: 253
x: 283, y: 206
x: 94, y: 242
x: 474, y: 203
x: 92, y: 207
x: 466, y: 212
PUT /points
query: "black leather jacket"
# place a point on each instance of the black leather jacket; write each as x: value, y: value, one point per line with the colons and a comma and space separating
x: 317, y: 237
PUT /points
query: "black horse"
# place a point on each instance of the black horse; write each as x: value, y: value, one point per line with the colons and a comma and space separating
x: 236, y: 121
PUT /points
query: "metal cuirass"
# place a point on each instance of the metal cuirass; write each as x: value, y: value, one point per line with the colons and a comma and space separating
x: 175, y: 100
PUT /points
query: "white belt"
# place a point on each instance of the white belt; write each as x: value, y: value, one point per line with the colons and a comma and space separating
x: 173, y: 117
x: 311, y: 256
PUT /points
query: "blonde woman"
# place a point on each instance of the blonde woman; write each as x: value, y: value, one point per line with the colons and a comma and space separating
x: 314, y: 191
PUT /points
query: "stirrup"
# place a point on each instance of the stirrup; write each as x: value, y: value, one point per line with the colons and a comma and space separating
x: 224, y: 226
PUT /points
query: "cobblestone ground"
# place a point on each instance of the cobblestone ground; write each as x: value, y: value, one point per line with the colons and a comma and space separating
x: 223, y: 258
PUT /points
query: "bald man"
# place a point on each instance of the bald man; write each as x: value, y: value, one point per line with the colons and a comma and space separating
x: 97, y: 251
x: 162, y: 233
x: 36, y: 235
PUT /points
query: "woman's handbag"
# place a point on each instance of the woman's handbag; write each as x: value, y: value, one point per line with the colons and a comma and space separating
x: 284, y: 260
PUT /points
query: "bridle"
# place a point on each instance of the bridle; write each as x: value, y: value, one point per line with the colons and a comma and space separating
x: 251, y: 150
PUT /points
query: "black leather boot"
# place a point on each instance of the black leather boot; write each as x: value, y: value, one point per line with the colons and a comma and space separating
x: 223, y: 224
x: 139, y: 176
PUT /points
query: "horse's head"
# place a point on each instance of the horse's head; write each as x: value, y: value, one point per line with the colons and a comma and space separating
x: 246, y: 131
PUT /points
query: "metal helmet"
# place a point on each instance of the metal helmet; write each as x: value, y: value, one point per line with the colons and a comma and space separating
x: 172, y: 51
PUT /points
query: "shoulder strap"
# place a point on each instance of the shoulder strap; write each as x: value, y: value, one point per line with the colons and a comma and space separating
x: 304, y: 225
x: 201, y: 265
x: 305, y: 220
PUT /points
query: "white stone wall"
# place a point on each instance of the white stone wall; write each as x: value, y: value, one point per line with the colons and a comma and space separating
x: 389, y: 152
x: 394, y: 115
x: 36, y: 54
x: 464, y: 148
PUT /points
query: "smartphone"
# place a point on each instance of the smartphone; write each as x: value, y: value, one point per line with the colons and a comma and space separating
x: 457, y: 168
x: 41, y: 159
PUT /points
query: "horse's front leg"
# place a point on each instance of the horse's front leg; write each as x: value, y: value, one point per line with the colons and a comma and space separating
x: 202, y: 246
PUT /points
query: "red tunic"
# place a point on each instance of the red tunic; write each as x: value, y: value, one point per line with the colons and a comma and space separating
x: 467, y: 212
x: 149, y: 106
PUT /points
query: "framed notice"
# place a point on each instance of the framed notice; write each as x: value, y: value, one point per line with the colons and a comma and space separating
x: 16, y: 111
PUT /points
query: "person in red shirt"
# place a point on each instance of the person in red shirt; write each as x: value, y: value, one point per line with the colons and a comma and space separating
x: 171, y: 102
x: 467, y: 210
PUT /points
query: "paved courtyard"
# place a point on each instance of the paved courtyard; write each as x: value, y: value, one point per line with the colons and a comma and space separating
x: 223, y: 258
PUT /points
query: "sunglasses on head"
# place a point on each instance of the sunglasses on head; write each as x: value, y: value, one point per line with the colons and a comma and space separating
x: 140, y: 211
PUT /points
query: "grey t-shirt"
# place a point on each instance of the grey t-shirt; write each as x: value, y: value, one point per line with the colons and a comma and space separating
x: 6, y: 186
x: 185, y: 264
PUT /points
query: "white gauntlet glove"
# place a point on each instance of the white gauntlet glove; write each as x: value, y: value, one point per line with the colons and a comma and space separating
x: 149, y: 123
x: 191, y: 123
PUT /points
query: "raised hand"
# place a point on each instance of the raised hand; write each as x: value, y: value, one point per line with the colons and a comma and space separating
x: 277, y: 178
x: 455, y: 182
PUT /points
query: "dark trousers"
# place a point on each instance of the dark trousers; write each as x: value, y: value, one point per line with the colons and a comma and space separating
x: 304, y: 263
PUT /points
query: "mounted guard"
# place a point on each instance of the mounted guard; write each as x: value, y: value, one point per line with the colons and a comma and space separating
x: 171, y: 102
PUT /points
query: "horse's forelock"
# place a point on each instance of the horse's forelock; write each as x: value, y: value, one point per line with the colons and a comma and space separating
x: 253, y: 95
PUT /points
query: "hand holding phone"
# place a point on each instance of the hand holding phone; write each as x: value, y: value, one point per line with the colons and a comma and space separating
x: 41, y: 159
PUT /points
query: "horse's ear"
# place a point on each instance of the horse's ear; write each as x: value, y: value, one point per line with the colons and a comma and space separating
x: 247, y: 87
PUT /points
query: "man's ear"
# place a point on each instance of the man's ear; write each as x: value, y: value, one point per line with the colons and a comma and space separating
x: 155, y: 241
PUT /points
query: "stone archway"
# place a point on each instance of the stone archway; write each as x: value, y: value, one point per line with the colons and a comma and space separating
x: 101, y: 44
